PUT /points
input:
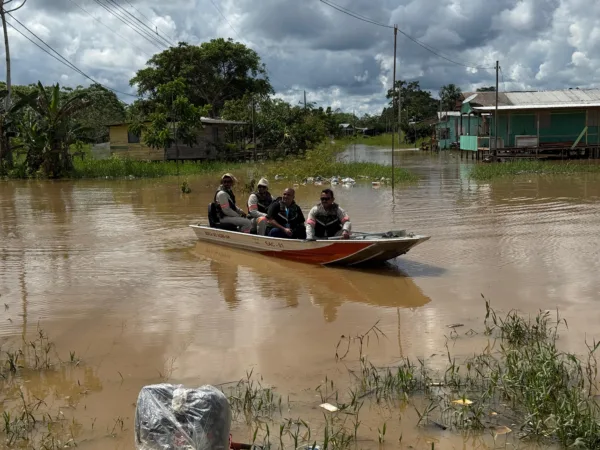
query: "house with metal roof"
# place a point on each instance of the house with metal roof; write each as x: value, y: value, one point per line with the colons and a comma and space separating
x: 212, y: 142
x: 544, y: 120
x: 450, y: 126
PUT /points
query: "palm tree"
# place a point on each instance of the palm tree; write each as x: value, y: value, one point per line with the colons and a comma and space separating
x: 50, y: 129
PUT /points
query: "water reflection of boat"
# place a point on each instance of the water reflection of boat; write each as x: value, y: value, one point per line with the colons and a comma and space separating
x: 361, y: 248
x: 327, y: 287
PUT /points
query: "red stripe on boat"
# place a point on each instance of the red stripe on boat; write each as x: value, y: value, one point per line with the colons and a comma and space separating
x: 321, y: 255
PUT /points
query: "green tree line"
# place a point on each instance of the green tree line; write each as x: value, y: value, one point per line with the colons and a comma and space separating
x: 218, y: 78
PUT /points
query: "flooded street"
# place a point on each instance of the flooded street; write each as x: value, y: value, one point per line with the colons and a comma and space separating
x: 110, y: 270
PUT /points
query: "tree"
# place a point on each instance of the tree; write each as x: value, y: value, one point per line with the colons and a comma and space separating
x: 486, y: 89
x: 212, y: 73
x: 175, y: 119
x: 9, y: 118
x: 5, y: 152
x: 417, y: 104
x: 105, y: 108
x: 50, y: 128
x: 450, y: 94
x: 279, y: 125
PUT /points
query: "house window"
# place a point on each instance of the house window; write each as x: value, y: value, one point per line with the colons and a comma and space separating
x: 545, y: 119
x: 132, y: 138
x: 215, y: 133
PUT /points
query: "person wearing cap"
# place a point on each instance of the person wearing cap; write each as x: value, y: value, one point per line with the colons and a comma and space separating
x: 229, y: 213
x: 258, y: 205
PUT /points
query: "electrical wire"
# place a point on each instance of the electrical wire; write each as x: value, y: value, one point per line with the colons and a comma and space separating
x: 109, y: 28
x: 149, y: 39
x: 159, y: 37
x: 60, y: 58
x: 225, y: 18
x: 141, y: 13
x: 415, y: 40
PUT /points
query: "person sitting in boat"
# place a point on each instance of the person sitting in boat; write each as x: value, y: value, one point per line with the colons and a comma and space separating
x: 285, y: 217
x: 327, y: 219
x: 258, y: 205
x: 229, y: 213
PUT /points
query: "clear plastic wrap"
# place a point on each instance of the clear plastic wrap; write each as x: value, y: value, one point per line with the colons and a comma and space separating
x: 172, y: 417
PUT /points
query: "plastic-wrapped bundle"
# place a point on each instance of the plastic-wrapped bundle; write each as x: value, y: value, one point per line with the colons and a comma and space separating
x: 171, y: 417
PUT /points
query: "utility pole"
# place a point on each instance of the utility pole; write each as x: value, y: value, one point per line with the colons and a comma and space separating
x: 304, y: 99
x: 496, y: 113
x: 253, y: 134
x: 394, y: 102
x: 3, y: 12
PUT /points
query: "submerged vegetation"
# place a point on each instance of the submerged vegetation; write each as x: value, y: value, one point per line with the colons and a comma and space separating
x: 497, y: 170
x: 38, y: 414
x: 520, y: 380
x: 322, y: 161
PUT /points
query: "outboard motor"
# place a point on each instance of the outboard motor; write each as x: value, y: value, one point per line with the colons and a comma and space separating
x: 172, y: 417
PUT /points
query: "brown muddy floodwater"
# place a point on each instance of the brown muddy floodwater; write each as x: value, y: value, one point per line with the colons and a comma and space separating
x: 110, y: 270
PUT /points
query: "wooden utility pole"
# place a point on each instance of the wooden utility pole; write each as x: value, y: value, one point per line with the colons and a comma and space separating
x: 3, y: 12
x: 496, y: 118
x: 394, y: 103
x: 253, y: 134
x: 304, y: 99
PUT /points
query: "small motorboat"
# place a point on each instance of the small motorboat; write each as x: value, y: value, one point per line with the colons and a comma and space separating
x: 361, y: 248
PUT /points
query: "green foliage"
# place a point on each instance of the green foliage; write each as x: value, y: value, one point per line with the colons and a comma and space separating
x: 450, y: 94
x: 175, y: 119
x: 279, y: 125
x: 417, y: 105
x: 49, y: 129
x: 212, y: 73
x: 507, y: 169
x: 9, y: 120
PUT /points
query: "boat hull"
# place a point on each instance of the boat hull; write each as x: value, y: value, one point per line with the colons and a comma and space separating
x: 348, y: 252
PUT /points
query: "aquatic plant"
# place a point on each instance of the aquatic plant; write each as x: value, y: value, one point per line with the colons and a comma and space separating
x: 514, y: 168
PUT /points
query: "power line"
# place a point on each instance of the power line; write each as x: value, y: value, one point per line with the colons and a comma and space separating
x: 355, y: 15
x: 62, y: 59
x: 111, y: 4
x: 141, y: 13
x: 149, y: 39
x: 102, y: 23
x: 165, y: 41
x: 225, y: 18
x: 415, y: 40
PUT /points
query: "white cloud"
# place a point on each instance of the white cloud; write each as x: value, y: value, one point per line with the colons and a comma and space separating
x: 338, y: 60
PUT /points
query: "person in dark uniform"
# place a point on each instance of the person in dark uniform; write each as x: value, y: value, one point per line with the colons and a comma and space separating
x: 285, y: 217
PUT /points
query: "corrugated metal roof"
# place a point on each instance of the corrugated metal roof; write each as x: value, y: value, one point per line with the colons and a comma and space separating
x: 567, y: 98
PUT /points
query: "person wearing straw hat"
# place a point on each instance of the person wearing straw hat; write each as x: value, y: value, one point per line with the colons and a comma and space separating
x: 229, y: 213
x: 258, y: 205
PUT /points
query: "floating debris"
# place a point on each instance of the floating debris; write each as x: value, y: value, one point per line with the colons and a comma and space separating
x: 502, y: 430
x: 329, y: 407
x: 456, y: 325
x: 464, y: 402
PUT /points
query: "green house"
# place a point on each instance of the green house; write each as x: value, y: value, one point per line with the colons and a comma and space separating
x: 536, y: 119
x: 452, y: 124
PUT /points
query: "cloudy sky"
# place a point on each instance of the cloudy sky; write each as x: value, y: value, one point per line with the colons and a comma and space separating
x: 308, y: 45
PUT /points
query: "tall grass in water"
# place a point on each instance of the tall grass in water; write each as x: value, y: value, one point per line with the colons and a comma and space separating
x: 121, y: 168
x: 497, y: 170
x: 520, y: 380
x: 322, y: 161
x: 29, y: 419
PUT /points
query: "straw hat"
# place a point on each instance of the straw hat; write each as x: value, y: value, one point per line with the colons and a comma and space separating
x: 228, y: 175
x: 263, y: 182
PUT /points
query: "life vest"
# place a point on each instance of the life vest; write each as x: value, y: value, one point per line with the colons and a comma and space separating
x: 264, y: 201
x: 327, y: 222
x: 292, y: 217
x: 231, y: 201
